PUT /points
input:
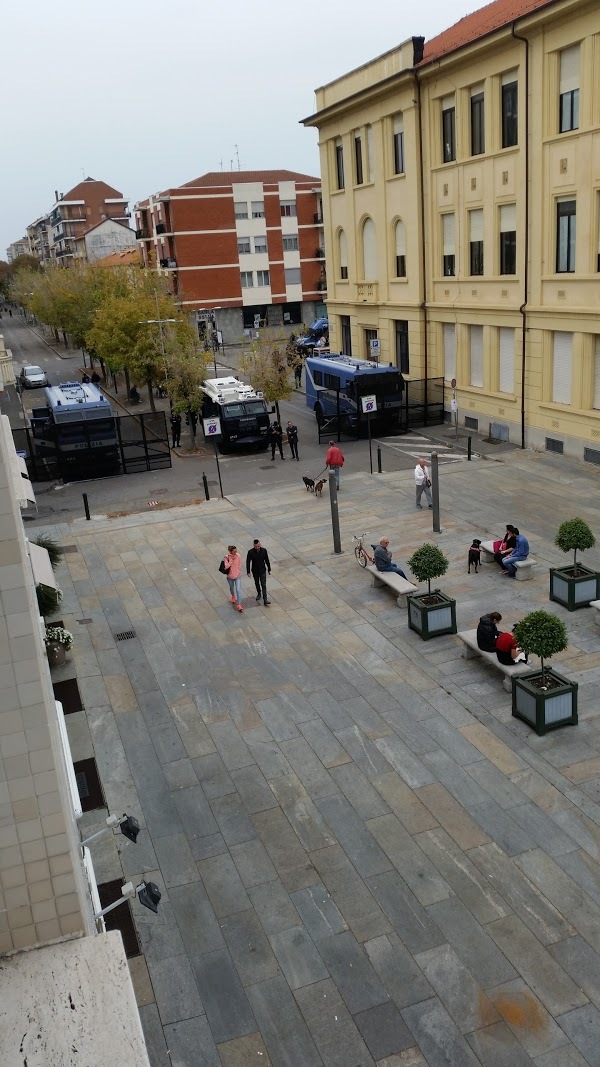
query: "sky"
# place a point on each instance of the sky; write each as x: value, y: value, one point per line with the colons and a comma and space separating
x: 146, y: 95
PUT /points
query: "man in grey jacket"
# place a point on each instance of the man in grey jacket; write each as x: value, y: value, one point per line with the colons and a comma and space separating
x: 383, y: 558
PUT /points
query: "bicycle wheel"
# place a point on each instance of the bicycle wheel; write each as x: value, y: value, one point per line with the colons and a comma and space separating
x: 361, y: 555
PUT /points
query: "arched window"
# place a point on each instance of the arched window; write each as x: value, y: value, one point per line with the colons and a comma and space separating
x: 343, y: 254
x: 369, y: 248
x: 400, y: 249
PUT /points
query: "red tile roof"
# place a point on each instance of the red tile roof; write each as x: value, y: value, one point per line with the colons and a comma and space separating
x: 227, y: 177
x: 487, y: 19
x: 80, y: 191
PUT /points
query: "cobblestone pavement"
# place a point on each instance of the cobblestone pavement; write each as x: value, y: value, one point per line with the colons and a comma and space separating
x: 363, y: 858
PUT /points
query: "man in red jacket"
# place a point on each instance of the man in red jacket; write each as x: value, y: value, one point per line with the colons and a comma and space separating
x: 335, y: 461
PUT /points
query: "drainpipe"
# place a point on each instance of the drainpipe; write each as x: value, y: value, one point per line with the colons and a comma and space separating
x: 423, y: 252
x: 523, y: 307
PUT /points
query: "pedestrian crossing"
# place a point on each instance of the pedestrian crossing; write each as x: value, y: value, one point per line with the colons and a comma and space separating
x: 415, y: 445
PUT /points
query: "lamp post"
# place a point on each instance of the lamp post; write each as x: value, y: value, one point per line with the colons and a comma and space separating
x: 160, y: 323
x: 215, y: 340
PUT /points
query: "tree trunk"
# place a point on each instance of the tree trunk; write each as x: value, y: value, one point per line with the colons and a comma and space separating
x: 543, y: 670
x: 56, y: 337
x: 151, y: 396
x: 277, y: 410
x: 65, y: 339
x: 127, y: 382
x: 575, y: 562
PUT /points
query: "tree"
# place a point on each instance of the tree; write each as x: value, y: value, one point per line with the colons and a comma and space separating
x: 543, y: 634
x: 427, y: 563
x: 186, y: 374
x: 574, y: 535
x: 266, y: 367
x: 5, y: 277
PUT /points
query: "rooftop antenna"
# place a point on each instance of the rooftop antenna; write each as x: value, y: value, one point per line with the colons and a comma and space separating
x: 237, y: 156
x: 221, y: 164
x: 231, y: 164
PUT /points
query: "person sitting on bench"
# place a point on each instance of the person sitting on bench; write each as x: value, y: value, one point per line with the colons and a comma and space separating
x: 508, y: 652
x: 383, y: 558
x: 520, y: 552
x: 488, y: 632
x: 134, y: 396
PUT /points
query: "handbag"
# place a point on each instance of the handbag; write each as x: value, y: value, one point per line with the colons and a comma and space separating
x: 222, y: 568
x: 427, y: 483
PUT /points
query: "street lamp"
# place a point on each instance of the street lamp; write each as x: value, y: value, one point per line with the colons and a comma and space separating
x: 216, y: 341
x: 148, y: 894
x: 159, y: 322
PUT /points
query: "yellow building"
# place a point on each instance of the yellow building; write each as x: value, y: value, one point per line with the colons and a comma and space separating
x: 453, y: 173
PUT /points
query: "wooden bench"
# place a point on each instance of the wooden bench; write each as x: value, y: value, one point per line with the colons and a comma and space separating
x: 595, y: 604
x: 400, y: 585
x: 471, y: 650
x: 524, y: 566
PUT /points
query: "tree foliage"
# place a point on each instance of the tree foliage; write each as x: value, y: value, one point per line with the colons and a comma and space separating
x: 54, y: 550
x: 574, y: 535
x: 266, y: 367
x: 543, y: 634
x: 428, y: 563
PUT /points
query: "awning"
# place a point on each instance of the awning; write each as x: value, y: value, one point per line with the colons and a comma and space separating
x: 18, y: 468
x: 41, y: 566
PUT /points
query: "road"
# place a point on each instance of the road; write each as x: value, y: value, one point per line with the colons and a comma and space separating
x: 183, y: 482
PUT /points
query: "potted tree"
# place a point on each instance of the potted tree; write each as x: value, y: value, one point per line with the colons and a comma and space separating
x: 575, y: 586
x: 432, y: 613
x: 58, y: 642
x: 543, y: 698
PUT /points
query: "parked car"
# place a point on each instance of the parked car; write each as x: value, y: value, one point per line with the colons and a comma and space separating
x: 33, y: 377
x: 317, y: 331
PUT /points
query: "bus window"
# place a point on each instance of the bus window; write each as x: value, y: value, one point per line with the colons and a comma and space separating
x: 332, y: 381
x: 255, y: 407
x: 233, y: 411
x: 318, y: 377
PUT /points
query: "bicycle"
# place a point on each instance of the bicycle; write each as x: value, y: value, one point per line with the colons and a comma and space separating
x: 362, y: 556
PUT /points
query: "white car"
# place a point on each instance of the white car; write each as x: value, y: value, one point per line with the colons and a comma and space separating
x: 32, y: 377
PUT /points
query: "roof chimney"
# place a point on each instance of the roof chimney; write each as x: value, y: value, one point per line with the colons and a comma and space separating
x: 418, y: 47
x: 56, y: 196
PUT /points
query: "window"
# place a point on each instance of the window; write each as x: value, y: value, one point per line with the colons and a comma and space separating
x: 398, y: 144
x: 318, y: 377
x: 258, y: 209
x: 288, y: 209
x: 247, y: 277
x: 510, y: 100
x: 244, y: 245
x: 370, y: 153
x: 262, y: 277
x: 565, y: 236
x: 477, y: 121
x: 346, y: 335
x: 290, y: 242
x: 562, y: 355
x: 400, y: 234
x: 370, y: 335
x: 449, y: 351
x: 358, y: 159
x: 332, y: 381
x: 369, y: 242
x: 476, y: 242
x: 240, y: 210
x: 339, y: 163
x: 293, y: 276
x: 401, y: 332
x: 448, y: 245
x: 597, y: 374
x: 476, y: 354
x: 260, y: 244
x: 568, y: 117
x: 508, y: 239
x: 506, y: 354
x: 343, y: 252
x: 448, y: 129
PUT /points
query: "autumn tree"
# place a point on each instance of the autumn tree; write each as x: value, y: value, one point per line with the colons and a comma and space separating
x: 266, y: 368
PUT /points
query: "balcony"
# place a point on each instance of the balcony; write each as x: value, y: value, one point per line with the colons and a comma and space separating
x: 318, y: 218
x: 142, y: 235
x: 168, y: 264
x: 160, y: 228
x: 367, y: 292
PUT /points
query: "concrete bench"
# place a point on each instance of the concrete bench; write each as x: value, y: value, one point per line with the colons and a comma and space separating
x: 524, y: 566
x: 471, y: 650
x: 400, y: 585
x: 595, y: 604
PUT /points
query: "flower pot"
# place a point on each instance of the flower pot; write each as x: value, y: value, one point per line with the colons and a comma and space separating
x: 56, y: 653
x: 574, y: 591
x: 545, y: 709
x: 431, y: 615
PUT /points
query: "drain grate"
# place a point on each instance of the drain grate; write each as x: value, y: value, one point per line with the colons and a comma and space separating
x: 84, y: 622
x: 70, y: 548
x: 269, y: 468
x: 126, y: 635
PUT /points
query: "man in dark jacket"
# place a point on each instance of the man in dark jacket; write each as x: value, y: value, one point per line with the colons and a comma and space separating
x: 258, y: 562
x: 276, y: 439
x: 488, y: 632
x: 176, y: 429
x: 292, y: 436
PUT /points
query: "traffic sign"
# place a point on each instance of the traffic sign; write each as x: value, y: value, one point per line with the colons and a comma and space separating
x: 453, y: 383
x: 369, y: 404
x: 212, y: 427
x: 375, y: 346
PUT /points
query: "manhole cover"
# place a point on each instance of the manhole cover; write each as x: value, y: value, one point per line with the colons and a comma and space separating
x: 267, y: 468
x: 70, y: 548
x: 84, y: 622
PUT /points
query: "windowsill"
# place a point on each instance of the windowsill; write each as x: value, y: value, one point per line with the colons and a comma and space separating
x: 576, y: 275
x: 480, y: 390
x: 467, y: 279
x: 363, y: 185
x: 394, y: 177
x: 403, y: 281
x: 470, y: 159
x: 566, y: 409
x: 337, y: 192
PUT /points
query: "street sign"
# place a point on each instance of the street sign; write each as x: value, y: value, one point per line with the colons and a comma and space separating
x: 454, y: 405
x: 453, y: 383
x: 212, y: 427
x: 369, y: 404
x: 375, y: 346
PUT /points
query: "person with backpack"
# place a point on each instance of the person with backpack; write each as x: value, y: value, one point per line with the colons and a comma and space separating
x: 231, y: 565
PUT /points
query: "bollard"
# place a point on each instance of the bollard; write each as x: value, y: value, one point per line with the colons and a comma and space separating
x: 335, y: 518
x: 86, y: 506
x: 435, y: 492
x: 469, y: 439
x: 379, y: 459
x: 205, y: 482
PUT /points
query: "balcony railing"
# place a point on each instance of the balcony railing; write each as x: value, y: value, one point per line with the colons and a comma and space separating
x: 161, y: 228
x: 168, y: 264
x: 141, y: 235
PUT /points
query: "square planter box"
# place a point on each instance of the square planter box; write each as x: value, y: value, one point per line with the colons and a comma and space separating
x: 574, y: 592
x: 431, y: 620
x: 544, y: 710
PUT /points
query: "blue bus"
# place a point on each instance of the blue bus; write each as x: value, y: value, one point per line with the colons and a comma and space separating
x: 335, y: 384
x: 77, y: 427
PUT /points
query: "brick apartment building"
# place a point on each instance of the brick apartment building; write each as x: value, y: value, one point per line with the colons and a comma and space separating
x: 247, y: 245
x: 59, y: 236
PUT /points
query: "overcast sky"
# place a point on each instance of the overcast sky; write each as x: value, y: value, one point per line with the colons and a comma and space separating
x: 146, y: 94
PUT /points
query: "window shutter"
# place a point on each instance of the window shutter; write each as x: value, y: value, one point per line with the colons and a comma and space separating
x: 508, y: 218
x: 477, y: 89
x: 448, y: 224
x: 398, y: 124
x: 569, y: 69
x: 476, y: 338
x: 369, y: 251
x: 448, y: 102
x: 510, y: 77
x: 343, y: 249
x: 370, y: 152
x: 597, y: 374
x: 476, y: 224
x: 449, y: 351
x: 507, y: 360
x: 400, y: 239
x: 561, y: 367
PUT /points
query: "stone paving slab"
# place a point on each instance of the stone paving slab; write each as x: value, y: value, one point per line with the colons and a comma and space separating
x: 364, y: 858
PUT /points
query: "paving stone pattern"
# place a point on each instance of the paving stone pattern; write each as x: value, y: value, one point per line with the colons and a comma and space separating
x: 364, y: 858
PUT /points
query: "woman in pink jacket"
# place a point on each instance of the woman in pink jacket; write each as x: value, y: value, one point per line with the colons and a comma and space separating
x: 233, y: 561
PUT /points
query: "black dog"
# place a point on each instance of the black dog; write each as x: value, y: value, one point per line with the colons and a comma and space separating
x: 309, y: 483
x: 474, y: 556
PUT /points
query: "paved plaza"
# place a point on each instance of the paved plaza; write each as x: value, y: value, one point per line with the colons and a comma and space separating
x: 364, y: 859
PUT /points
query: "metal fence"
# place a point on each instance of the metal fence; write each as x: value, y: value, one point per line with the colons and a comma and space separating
x: 422, y: 405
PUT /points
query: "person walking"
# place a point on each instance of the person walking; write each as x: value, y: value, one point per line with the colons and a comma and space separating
x: 335, y: 461
x: 259, y: 563
x: 233, y: 569
x: 423, y: 483
x: 276, y: 439
x: 520, y: 552
x: 176, y: 429
x: 298, y: 375
x: 292, y: 436
x: 383, y: 558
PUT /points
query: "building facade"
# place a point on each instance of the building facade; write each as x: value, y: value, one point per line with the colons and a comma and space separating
x: 61, y: 235
x: 245, y: 247
x: 453, y: 173
x: 39, y: 235
x: 18, y: 248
